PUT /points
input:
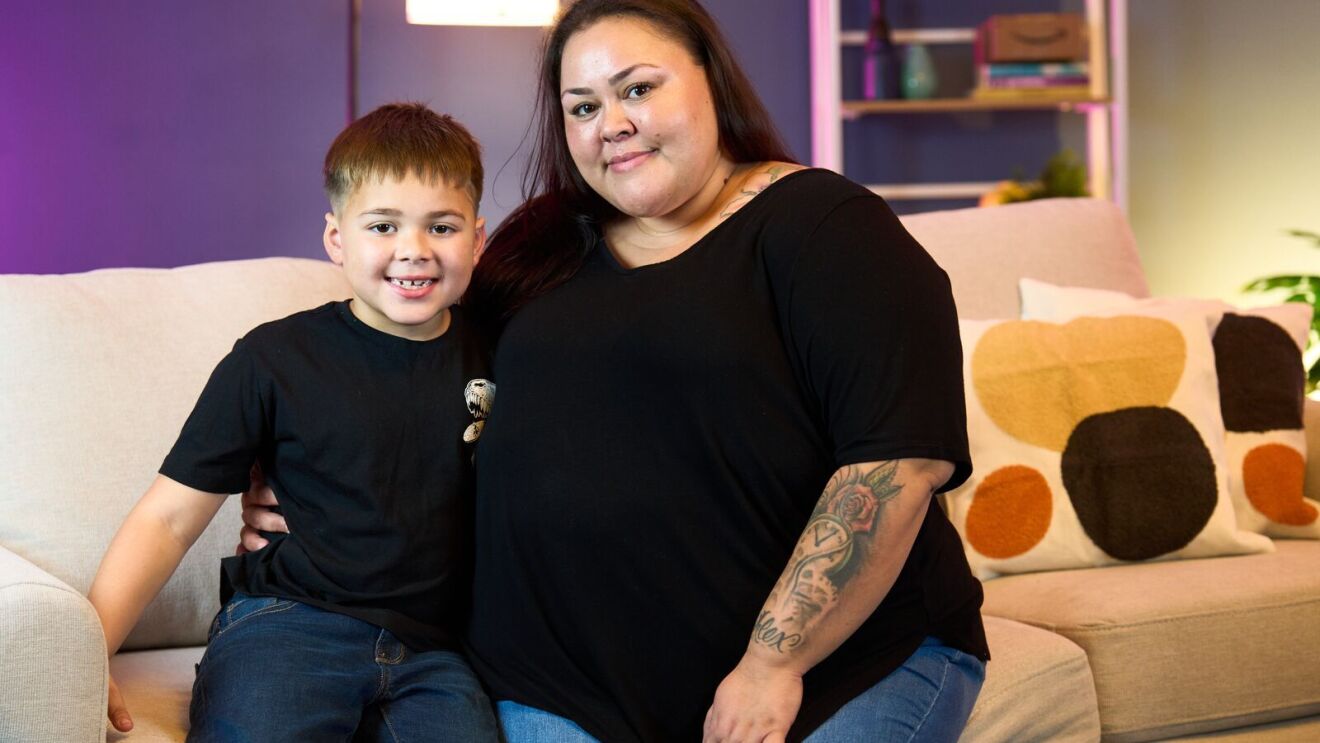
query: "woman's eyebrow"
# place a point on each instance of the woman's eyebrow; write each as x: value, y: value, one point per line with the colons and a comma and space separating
x: 614, y: 79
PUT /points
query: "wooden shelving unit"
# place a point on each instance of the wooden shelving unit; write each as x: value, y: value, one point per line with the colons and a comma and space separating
x: 1105, y: 108
x: 854, y: 109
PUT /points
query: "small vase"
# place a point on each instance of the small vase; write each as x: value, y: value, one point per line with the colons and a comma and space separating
x: 919, y: 78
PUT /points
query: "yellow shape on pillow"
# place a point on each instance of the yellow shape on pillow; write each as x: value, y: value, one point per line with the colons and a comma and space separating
x: 1038, y: 380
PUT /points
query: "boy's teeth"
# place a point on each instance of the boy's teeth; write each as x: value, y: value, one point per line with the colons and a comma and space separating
x: 412, y: 284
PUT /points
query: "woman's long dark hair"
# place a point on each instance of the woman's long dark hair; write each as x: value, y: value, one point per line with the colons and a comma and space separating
x: 545, y: 241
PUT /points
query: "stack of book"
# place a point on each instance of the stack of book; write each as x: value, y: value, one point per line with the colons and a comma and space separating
x: 1014, y: 79
x: 1032, y: 55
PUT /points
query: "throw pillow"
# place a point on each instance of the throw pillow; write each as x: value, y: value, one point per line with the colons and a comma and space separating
x: 1262, y: 382
x: 1096, y: 441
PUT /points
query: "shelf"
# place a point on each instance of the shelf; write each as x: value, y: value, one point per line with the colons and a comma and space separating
x: 853, y: 109
x: 1103, y: 107
x: 909, y: 191
x: 915, y: 36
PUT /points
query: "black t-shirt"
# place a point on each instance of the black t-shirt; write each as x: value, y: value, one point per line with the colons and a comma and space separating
x: 360, y: 435
x: 662, y: 436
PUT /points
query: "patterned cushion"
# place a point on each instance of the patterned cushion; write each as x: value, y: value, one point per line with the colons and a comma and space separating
x: 1095, y: 441
x: 1261, y: 387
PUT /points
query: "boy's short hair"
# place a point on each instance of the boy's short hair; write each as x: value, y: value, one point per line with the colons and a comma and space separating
x: 399, y: 139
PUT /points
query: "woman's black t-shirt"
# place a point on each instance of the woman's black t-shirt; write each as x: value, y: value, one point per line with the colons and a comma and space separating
x: 662, y: 436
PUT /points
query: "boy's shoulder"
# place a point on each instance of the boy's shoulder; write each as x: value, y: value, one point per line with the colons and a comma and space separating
x: 295, y: 326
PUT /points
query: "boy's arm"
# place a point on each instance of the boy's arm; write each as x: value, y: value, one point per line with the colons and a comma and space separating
x: 143, y: 555
x: 145, y: 552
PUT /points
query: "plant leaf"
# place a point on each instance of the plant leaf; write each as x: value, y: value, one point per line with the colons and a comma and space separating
x: 1268, y: 283
x: 1306, y: 235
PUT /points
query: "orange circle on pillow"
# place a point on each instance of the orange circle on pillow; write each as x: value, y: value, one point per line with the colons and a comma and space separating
x: 1273, y: 476
x: 1010, y: 512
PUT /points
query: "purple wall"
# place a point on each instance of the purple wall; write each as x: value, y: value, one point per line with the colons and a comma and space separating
x: 158, y: 132
x: 161, y: 133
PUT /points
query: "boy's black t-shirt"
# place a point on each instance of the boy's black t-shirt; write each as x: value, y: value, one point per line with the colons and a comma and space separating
x: 360, y: 435
x: 662, y: 436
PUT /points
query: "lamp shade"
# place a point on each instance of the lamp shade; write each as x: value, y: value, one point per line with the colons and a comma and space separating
x: 482, y: 12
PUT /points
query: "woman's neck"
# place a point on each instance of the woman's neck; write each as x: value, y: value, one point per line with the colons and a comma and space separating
x: 701, y: 206
x: 640, y: 241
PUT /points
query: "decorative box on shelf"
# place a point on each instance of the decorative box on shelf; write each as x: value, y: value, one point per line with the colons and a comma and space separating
x: 1033, y: 37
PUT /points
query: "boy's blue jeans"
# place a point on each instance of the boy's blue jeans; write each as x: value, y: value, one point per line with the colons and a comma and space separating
x: 279, y: 670
x: 928, y: 698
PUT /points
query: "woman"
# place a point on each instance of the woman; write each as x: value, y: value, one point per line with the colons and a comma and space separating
x: 697, y: 337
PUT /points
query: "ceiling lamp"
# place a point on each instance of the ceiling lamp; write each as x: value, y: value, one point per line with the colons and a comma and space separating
x: 482, y: 12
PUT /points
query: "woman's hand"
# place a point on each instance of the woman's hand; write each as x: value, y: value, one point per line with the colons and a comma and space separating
x: 257, y: 516
x: 117, y: 711
x: 756, y: 703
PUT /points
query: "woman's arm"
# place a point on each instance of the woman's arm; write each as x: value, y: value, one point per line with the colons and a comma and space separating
x: 141, y: 558
x: 848, y: 557
x: 258, y: 516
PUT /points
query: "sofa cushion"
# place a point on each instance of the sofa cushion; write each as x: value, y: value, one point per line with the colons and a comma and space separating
x: 157, y: 688
x: 1037, y: 687
x: 1075, y: 242
x: 1042, y: 690
x: 98, y: 372
x: 1185, y: 647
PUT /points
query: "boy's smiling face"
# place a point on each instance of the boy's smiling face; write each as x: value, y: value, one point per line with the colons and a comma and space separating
x: 407, y: 248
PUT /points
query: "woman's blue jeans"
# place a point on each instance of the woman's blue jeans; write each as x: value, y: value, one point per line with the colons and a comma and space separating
x: 928, y: 698
x: 276, y: 669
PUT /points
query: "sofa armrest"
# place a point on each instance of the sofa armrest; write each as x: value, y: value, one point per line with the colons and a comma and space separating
x: 1311, y: 419
x: 53, y: 685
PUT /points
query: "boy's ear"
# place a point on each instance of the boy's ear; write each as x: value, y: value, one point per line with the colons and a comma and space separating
x: 332, y: 238
x: 479, y: 246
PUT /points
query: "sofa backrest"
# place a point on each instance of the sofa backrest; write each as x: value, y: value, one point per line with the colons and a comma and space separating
x: 97, y: 373
x: 1070, y: 242
x: 99, y: 370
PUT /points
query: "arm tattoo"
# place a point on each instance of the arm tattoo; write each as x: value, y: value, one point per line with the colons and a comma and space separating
x: 829, y: 553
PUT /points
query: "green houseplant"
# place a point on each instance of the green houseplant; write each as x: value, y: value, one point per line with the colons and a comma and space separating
x: 1299, y: 288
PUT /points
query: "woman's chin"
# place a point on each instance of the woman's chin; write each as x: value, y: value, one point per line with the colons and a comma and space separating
x: 644, y: 205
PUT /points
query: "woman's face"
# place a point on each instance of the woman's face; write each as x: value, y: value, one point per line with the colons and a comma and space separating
x: 639, y: 117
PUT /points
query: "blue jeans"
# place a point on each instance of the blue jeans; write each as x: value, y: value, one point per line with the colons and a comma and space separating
x: 279, y: 670
x: 928, y: 698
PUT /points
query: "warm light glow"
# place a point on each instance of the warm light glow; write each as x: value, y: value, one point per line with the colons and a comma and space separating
x: 482, y: 12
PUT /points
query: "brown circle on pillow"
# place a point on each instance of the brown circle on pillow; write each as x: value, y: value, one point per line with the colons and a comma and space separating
x: 1010, y: 512
x: 1141, y: 481
x: 1261, y: 379
x: 1272, y: 475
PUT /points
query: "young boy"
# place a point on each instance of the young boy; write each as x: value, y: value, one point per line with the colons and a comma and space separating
x: 361, y: 415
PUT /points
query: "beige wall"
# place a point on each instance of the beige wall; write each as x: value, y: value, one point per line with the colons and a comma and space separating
x: 1225, y: 140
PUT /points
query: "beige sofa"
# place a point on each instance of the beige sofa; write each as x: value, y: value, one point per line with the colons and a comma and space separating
x: 98, y: 371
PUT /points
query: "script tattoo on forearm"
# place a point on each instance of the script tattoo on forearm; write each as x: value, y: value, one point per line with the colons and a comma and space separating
x: 829, y: 553
x: 768, y: 633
